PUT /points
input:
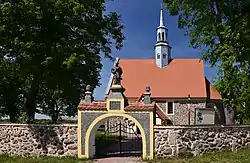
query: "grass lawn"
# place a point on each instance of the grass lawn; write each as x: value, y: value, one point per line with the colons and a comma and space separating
x: 8, y: 159
x: 241, y: 156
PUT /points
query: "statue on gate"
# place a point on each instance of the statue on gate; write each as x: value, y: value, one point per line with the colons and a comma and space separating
x: 117, y: 72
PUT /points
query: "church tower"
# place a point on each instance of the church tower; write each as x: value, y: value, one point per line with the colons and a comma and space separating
x: 162, y: 47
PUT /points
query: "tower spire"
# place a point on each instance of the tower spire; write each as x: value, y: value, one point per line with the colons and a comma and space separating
x: 162, y: 16
x: 162, y: 48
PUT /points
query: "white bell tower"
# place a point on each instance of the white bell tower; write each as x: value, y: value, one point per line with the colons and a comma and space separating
x: 162, y: 47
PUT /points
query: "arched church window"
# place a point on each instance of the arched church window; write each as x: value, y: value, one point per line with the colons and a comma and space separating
x: 163, y: 36
x: 159, y: 36
x: 164, y: 56
x: 158, y: 56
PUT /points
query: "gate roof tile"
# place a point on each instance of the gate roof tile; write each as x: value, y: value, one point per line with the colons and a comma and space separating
x: 135, y: 106
x: 101, y: 105
x: 95, y: 105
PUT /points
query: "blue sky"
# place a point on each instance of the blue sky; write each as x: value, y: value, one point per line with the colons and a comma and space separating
x: 140, y: 19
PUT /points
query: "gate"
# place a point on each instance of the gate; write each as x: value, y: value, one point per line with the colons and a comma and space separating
x: 120, y: 139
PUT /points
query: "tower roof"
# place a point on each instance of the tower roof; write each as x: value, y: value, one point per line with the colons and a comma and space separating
x: 162, y: 17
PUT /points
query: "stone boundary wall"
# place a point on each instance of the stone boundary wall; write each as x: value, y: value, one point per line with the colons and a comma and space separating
x: 61, y: 140
x: 38, y: 139
x: 196, y: 140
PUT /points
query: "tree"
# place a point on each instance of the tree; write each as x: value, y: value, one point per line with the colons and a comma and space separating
x: 220, y: 29
x: 10, y: 90
x: 55, y: 102
x: 58, y: 42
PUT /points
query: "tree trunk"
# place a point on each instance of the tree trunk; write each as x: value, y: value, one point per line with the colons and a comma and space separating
x: 55, y: 114
x: 13, y: 114
x: 241, y: 121
x: 55, y: 117
x: 11, y: 104
x: 30, y: 103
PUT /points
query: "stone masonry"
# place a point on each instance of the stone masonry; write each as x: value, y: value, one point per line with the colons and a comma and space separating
x: 196, y: 140
x: 61, y: 140
x: 38, y: 140
x: 180, y: 116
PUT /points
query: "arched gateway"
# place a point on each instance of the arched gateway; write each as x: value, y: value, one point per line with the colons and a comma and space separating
x: 124, y: 117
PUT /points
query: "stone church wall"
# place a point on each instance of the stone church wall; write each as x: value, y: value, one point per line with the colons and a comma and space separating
x: 180, y: 116
x: 38, y: 140
x: 196, y: 140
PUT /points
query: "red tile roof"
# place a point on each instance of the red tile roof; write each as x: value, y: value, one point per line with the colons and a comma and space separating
x: 178, y: 79
x: 211, y: 91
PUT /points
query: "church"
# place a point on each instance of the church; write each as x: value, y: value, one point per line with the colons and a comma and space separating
x: 178, y: 86
x: 146, y: 93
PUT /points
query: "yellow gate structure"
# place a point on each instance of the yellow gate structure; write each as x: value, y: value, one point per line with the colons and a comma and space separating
x: 93, y: 114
